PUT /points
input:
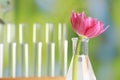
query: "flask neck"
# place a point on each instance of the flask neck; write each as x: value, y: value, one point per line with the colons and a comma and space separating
x: 84, y: 45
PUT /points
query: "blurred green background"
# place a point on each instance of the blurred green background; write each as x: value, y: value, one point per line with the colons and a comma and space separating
x: 104, y: 50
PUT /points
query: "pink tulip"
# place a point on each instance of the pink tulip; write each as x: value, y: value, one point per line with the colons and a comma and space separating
x: 88, y: 27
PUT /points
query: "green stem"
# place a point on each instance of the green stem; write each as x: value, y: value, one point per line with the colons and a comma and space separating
x: 75, y: 60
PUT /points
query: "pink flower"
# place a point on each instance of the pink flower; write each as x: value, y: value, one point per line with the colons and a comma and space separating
x: 88, y: 27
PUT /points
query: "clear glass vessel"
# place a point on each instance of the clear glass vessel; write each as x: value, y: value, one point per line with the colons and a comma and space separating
x: 84, y: 68
x: 23, y: 53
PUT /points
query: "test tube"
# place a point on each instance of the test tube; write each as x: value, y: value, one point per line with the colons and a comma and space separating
x: 62, y: 48
x: 1, y: 33
x: 39, y: 59
x: 13, y: 59
x: 23, y: 33
x: 1, y: 60
x: 65, y: 57
x: 49, y: 49
x: 65, y: 31
x: 1, y: 49
x: 49, y: 32
x: 26, y: 60
x: 37, y: 32
x: 23, y: 37
x: 11, y: 33
x: 65, y: 42
x: 37, y: 42
x: 52, y: 59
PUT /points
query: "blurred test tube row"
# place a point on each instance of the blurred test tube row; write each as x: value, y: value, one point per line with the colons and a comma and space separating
x: 21, y: 67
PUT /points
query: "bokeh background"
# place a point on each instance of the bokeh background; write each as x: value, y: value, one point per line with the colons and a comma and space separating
x: 104, y: 50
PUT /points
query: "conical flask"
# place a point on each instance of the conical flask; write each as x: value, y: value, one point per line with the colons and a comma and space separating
x: 84, y: 67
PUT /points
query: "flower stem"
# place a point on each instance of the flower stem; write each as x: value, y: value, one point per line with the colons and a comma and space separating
x: 75, y: 60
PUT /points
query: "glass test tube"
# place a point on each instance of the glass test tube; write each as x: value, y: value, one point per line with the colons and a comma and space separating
x: 1, y: 33
x: 23, y: 33
x: 65, y: 57
x: 11, y: 33
x: 1, y: 49
x: 26, y: 60
x: 65, y: 42
x: 39, y: 59
x: 52, y: 60
x: 1, y: 60
x: 14, y: 59
x: 37, y: 42
x: 50, y: 50
x: 62, y: 48
x: 23, y: 37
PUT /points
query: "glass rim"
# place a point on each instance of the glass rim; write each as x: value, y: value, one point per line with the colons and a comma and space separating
x: 83, y: 39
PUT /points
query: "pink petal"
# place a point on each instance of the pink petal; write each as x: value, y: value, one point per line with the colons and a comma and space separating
x: 82, y: 26
x: 91, y: 22
x: 99, y: 24
x: 78, y: 22
x: 93, y: 31
x: 73, y: 19
x: 82, y: 20
x: 88, y: 22
x: 100, y: 32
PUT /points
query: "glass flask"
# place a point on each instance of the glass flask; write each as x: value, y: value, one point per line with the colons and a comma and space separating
x: 84, y: 68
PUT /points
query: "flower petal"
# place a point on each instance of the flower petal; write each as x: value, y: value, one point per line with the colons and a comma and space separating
x: 93, y: 31
x: 84, y: 26
x: 82, y: 20
x: 78, y: 22
x: 100, y: 32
